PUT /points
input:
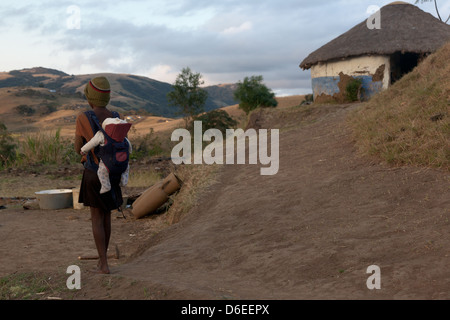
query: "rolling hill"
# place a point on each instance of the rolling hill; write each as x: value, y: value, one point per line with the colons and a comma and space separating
x: 129, y: 92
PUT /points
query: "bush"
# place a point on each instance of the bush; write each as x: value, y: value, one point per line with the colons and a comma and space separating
x: 25, y: 110
x: 216, y: 119
x: 353, y: 89
x: 7, y: 147
x: 309, y: 99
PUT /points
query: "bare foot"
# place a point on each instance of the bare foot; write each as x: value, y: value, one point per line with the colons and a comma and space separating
x: 100, y: 270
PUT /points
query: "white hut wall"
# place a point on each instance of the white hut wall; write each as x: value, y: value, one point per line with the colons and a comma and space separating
x: 374, y: 71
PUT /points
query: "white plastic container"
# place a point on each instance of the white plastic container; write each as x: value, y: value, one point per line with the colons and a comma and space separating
x: 76, y: 204
x: 55, y: 199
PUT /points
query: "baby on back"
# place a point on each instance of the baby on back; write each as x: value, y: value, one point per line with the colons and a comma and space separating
x: 114, y: 152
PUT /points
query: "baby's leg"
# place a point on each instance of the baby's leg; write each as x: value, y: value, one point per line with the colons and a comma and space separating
x: 103, y: 176
x: 124, y: 178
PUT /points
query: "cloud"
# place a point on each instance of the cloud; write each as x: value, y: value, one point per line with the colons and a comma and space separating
x: 243, y: 27
x: 160, y: 52
x: 162, y: 72
x: 224, y: 40
x: 228, y: 41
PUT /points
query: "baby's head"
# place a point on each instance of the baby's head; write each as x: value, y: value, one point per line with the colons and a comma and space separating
x: 113, y: 121
x: 116, y: 128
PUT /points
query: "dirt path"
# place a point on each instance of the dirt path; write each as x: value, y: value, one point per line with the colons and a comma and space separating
x: 309, y: 232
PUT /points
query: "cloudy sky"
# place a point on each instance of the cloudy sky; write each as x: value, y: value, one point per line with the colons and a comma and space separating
x: 224, y: 40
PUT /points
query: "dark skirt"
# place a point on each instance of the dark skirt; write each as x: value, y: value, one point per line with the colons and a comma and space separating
x: 90, y: 192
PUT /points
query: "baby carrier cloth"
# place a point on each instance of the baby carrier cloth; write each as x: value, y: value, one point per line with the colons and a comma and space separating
x: 114, y: 153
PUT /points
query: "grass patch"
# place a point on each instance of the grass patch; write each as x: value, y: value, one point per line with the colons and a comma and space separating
x: 27, y: 286
x: 409, y: 124
x: 143, y: 178
x: 150, y: 145
x: 43, y: 148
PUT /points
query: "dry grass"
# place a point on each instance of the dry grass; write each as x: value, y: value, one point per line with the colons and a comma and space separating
x: 196, y: 179
x: 44, y: 147
x: 143, y: 178
x: 409, y: 124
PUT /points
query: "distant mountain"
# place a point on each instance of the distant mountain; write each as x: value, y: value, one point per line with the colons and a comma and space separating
x: 129, y: 92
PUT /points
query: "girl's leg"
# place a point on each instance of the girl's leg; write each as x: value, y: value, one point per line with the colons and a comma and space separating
x: 101, y: 229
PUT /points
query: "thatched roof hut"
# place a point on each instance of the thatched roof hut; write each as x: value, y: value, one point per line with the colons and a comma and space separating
x: 407, y: 34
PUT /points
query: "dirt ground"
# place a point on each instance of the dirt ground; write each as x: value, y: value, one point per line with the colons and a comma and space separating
x: 309, y: 232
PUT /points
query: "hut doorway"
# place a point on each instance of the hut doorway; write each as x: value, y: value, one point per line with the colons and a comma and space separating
x: 403, y: 63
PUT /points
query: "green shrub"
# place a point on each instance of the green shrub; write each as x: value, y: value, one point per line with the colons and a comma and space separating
x: 215, y: 119
x: 309, y: 99
x: 25, y: 110
x: 7, y: 147
x: 353, y: 89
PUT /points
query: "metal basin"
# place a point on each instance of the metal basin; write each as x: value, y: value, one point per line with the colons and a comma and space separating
x: 55, y: 199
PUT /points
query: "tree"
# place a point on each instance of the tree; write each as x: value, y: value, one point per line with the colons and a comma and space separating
x: 437, y: 9
x: 188, y: 95
x: 252, y: 93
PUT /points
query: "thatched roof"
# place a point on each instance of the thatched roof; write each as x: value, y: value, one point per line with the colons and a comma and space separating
x: 404, y: 28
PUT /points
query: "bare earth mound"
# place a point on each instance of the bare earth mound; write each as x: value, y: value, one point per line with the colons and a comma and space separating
x: 309, y: 232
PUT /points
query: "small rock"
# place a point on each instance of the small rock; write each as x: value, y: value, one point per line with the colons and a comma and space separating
x: 31, y: 205
x: 437, y: 117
